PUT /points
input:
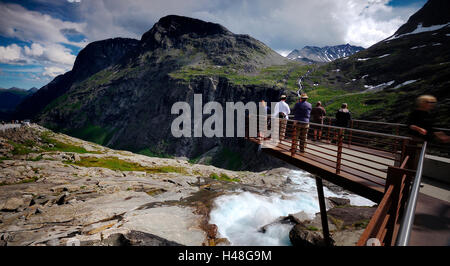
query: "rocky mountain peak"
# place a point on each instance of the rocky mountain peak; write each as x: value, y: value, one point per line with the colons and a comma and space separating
x: 101, y: 54
x: 174, y: 26
x: 323, y: 54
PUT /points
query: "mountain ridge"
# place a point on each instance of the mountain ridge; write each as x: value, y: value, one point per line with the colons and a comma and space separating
x: 323, y: 54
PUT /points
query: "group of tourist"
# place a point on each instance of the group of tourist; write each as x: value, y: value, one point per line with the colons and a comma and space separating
x: 304, y: 114
x: 420, y: 121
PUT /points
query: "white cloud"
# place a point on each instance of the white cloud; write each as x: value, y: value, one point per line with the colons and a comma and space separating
x: 59, y: 54
x: 11, y: 54
x: 283, y: 24
x: 37, y: 53
x: 35, y: 50
x: 31, y: 26
x: 53, y: 71
x: 74, y: 1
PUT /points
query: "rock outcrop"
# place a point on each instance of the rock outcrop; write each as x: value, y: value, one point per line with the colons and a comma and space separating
x: 79, y: 193
x: 346, y: 223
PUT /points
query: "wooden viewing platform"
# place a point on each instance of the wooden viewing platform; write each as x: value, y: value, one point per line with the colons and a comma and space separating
x: 378, y: 166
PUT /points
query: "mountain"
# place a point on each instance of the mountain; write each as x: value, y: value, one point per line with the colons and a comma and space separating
x: 313, y: 54
x: 434, y: 13
x: 10, y: 98
x: 33, y: 90
x: 381, y: 82
x: 92, y: 59
x: 120, y: 91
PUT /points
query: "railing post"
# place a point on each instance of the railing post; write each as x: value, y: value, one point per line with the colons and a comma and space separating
x: 323, y: 212
x: 402, y: 157
x: 329, y: 130
x: 294, y: 139
x: 350, y: 134
x: 339, y: 151
x: 394, y: 178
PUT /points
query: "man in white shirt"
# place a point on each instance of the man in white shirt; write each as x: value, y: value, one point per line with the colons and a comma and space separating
x: 282, y: 111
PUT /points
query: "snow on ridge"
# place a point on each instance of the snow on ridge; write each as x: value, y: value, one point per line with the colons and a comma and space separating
x: 378, y: 87
x: 415, y: 47
x: 381, y: 56
x: 363, y: 59
x: 405, y: 83
x: 420, y: 29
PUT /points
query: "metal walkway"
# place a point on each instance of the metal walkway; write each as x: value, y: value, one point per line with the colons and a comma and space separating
x: 376, y: 165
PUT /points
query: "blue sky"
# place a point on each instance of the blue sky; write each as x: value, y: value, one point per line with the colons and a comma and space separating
x: 39, y: 39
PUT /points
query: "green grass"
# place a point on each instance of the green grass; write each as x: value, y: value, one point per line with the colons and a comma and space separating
x: 194, y: 160
x: 333, y: 98
x: 61, y: 99
x: 92, y: 133
x: 229, y: 159
x: 223, y: 177
x: 312, y: 228
x: 29, y: 180
x: 60, y: 146
x: 24, y: 181
x: 35, y: 159
x: 114, y: 163
x: 150, y: 153
x: 278, y: 75
x: 361, y: 224
x: 20, y: 149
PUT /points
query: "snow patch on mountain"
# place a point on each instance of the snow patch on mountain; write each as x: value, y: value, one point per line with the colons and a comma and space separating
x: 420, y: 29
x: 405, y: 83
x: 379, y: 87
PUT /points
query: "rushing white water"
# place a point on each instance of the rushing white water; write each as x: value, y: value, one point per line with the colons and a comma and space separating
x: 239, y: 216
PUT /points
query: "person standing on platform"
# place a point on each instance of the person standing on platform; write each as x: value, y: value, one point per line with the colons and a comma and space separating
x: 302, y: 113
x: 317, y: 115
x: 282, y: 111
x: 343, y: 118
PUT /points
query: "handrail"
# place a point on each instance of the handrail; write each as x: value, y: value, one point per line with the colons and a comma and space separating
x: 387, y: 123
x: 335, y: 150
x: 408, y: 218
x: 350, y: 129
x: 384, y: 221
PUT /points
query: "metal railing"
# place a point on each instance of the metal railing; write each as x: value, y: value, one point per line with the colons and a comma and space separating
x: 383, y: 226
x: 359, y: 153
x: 408, y: 218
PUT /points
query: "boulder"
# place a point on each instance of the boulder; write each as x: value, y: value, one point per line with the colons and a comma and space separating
x: 12, y: 204
x: 133, y: 238
x: 339, y: 201
x: 299, y: 217
x: 301, y: 236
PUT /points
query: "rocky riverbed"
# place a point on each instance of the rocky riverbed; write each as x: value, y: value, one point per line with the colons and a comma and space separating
x: 59, y: 190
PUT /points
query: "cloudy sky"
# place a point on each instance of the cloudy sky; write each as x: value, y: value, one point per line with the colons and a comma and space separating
x: 39, y: 39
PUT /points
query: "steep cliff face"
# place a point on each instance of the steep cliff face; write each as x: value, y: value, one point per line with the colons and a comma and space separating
x: 120, y: 92
x: 92, y: 59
